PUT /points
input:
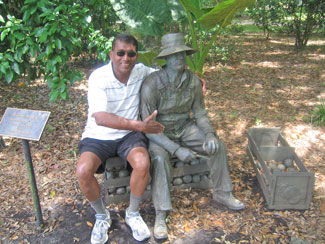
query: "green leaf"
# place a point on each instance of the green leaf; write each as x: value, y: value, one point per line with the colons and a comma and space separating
x: 48, y: 49
x: 53, y: 28
x: 144, y: 16
x: 20, y: 36
x: 9, y: 76
x: 4, y: 34
x: 63, y: 86
x: 25, y: 49
x: 74, y: 76
x: 2, y: 19
x: 62, y: 7
x: 16, y: 68
x: 223, y: 13
x: 50, y: 67
x: 54, y: 94
x: 177, y: 11
x: 63, y: 33
x: 32, y: 52
x: 193, y: 6
x: 43, y: 37
x: 58, y: 59
x: 146, y: 57
x: 2, y: 68
x: 26, y: 14
x: 64, y: 95
x: 58, y: 44
x: 18, y: 54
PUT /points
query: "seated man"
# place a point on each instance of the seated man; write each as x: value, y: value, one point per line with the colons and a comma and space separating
x: 113, y: 129
x: 177, y: 95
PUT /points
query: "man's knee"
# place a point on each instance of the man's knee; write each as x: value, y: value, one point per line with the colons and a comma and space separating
x: 139, y: 160
x: 87, y: 165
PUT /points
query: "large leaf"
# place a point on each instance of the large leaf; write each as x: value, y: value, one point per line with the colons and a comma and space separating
x: 223, y: 13
x: 194, y: 7
x: 144, y: 16
x: 147, y: 58
x: 177, y: 11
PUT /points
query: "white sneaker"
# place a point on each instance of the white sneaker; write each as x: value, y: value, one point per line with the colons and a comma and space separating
x: 99, y: 233
x: 140, y: 230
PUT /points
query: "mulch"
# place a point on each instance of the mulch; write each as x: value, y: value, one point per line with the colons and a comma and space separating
x: 265, y: 83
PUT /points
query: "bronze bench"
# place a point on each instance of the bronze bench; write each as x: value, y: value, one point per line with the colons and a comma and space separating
x: 184, y: 175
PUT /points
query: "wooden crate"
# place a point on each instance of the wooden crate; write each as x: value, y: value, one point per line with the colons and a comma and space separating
x: 287, y: 187
x: 196, y: 175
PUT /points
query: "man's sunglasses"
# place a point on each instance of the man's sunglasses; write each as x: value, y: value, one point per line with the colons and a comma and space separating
x: 130, y: 54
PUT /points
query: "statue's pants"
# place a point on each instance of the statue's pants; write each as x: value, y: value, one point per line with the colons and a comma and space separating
x: 192, y: 137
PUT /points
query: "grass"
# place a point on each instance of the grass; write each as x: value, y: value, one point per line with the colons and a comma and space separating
x: 251, y: 28
x: 318, y: 115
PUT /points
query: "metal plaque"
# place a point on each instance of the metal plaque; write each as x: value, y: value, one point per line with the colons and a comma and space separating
x: 23, y: 123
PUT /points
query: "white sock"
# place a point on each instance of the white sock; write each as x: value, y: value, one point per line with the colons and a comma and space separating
x: 98, y: 206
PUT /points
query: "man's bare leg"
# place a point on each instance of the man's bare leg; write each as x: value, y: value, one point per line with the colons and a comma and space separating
x: 139, y: 160
x: 86, y: 169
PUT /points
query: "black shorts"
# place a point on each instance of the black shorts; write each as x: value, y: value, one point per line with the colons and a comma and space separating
x: 105, y: 149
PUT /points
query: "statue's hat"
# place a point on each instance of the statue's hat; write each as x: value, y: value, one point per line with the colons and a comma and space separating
x: 174, y: 43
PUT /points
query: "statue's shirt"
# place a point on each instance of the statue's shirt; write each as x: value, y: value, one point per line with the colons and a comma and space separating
x: 177, y: 105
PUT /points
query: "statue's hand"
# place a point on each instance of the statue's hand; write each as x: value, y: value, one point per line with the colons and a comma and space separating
x: 210, y: 145
x: 184, y: 154
x: 151, y: 126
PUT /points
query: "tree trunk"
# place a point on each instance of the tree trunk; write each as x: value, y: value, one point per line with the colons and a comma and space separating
x: 2, y: 143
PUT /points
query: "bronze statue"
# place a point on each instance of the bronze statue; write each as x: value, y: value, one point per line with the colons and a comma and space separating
x: 176, y: 93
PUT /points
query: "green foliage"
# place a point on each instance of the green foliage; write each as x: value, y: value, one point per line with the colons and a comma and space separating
x: 100, y: 43
x: 41, y: 37
x: 41, y: 41
x: 301, y: 18
x: 103, y: 25
x: 145, y: 16
x: 318, y: 115
x: 265, y: 14
x: 147, y: 58
x: 212, y: 21
x: 203, y: 19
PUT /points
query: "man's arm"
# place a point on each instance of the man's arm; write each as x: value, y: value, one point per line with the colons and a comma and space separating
x: 149, y: 125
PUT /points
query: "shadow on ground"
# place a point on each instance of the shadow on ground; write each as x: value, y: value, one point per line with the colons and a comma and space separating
x: 74, y: 228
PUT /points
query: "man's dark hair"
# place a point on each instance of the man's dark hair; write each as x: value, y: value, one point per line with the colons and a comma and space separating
x: 126, y: 38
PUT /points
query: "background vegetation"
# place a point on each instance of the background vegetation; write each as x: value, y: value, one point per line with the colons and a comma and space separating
x: 43, y: 38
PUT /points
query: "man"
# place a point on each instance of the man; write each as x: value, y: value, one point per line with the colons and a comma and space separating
x: 177, y: 95
x: 113, y: 128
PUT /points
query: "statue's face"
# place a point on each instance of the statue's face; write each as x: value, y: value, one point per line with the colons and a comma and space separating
x: 176, y: 61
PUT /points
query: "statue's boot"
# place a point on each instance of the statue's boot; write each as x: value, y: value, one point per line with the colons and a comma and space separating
x: 160, y: 230
x: 226, y: 198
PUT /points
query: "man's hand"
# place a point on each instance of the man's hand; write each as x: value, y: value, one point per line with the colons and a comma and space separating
x: 184, y: 154
x: 151, y: 126
x: 210, y: 145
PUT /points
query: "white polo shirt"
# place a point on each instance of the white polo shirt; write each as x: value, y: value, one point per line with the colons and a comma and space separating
x: 106, y: 93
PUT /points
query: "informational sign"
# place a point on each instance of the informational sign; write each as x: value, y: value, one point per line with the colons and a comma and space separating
x: 23, y: 123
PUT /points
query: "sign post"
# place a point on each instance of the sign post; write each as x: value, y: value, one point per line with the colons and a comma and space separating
x: 2, y: 143
x: 26, y: 125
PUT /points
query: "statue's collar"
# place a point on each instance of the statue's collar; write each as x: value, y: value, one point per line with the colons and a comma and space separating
x: 168, y: 82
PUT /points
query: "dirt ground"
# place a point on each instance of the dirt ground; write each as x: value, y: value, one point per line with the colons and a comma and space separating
x: 264, y: 83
